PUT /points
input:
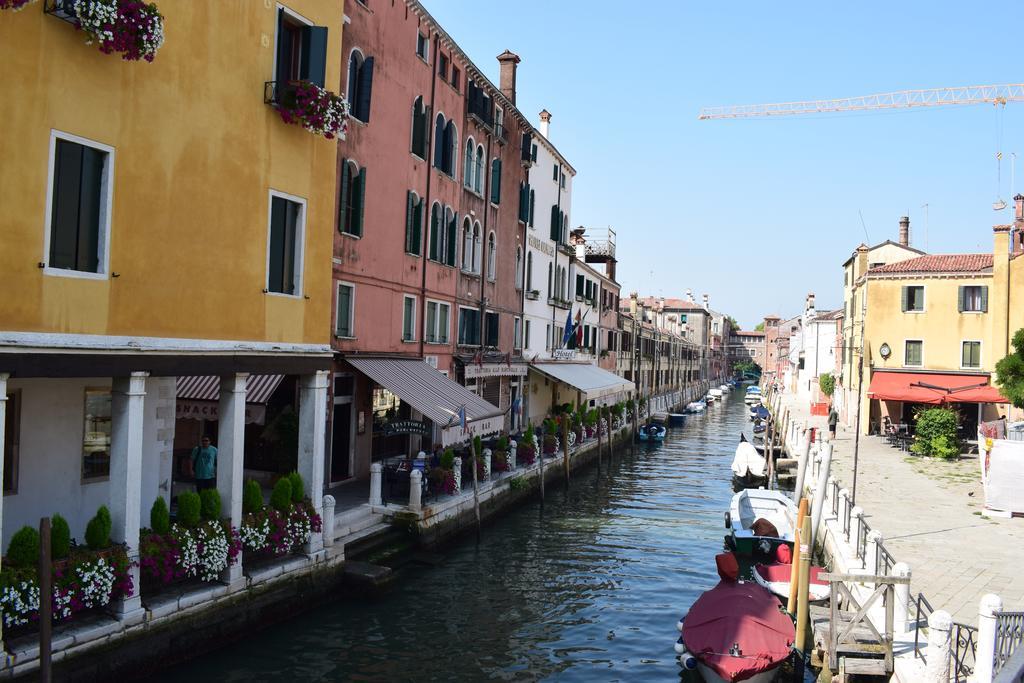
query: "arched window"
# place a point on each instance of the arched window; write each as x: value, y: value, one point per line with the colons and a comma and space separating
x: 451, y: 144
x: 439, y: 124
x: 360, y: 84
x: 467, y: 166
x: 478, y: 171
x: 419, y: 128
x: 436, y: 252
x: 450, y: 244
x: 478, y: 248
x: 492, y: 257
x: 353, y: 196
x: 467, y: 245
x: 529, y: 271
x: 519, y: 267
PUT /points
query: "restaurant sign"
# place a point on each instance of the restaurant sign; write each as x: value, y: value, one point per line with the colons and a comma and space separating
x: 495, y: 370
x: 406, y: 427
x: 455, y: 434
x: 255, y: 413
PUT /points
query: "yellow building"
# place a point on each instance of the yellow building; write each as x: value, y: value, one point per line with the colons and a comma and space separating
x: 163, y: 227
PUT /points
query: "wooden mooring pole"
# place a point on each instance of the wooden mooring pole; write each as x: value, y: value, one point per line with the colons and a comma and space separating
x: 565, y: 447
x: 794, y: 578
x: 45, y: 603
x: 803, y: 587
x: 539, y: 453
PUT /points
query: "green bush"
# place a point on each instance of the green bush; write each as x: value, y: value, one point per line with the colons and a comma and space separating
x: 190, y: 507
x: 160, y: 517
x: 448, y: 459
x: 517, y: 484
x: 252, y: 497
x: 528, y: 434
x: 933, y: 423
x: 630, y: 404
x: 502, y: 443
x: 478, y: 447
x: 23, y: 550
x: 298, y: 488
x: 281, y: 497
x: 827, y: 383
x: 97, y: 531
x: 1010, y: 371
x: 209, y: 504
x: 591, y: 418
x: 60, y: 537
x: 943, y: 447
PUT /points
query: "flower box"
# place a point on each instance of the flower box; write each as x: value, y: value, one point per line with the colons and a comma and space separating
x: 202, y: 552
x: 131, y: 27
x: 306, y: 104
x: 274, y: 533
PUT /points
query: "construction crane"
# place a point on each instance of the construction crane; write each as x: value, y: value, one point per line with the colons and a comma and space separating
x: 901, y: 99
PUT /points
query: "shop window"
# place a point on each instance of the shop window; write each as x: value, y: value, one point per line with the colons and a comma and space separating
x: 96, y: 440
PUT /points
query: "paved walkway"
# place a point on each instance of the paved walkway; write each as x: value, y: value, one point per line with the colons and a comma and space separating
x: 929, y: 513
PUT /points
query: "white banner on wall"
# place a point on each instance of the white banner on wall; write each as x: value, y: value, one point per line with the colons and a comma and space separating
x: 255, y: 413
x: 453, y: 435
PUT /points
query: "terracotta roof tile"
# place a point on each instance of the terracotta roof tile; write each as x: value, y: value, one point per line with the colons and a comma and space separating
x: 939, y: 263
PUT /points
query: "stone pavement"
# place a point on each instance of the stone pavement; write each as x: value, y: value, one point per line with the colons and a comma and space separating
x: 929, y: 513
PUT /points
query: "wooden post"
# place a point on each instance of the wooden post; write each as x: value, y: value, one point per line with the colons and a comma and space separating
x: 539, y: 453
x: 794, y: 579
x: 476, y: 490
x: 45, y: 602
x: 599, y: 415
x: 803, y: 592
x: 565, y: 447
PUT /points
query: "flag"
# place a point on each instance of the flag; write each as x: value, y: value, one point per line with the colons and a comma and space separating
x: 579, y: 329
x: 462, y: 418
x: 568, y: 333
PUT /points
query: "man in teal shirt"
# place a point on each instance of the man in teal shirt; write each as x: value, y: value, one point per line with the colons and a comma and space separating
x: 204, y: 465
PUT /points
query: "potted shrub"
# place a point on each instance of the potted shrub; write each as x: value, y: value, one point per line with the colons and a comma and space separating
x: 198, y: 544
x: 526, y: 452
x: 499, y: 455
x: 285, y: 525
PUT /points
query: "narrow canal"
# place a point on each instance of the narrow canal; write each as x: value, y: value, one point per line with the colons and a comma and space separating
x: 587, y: 589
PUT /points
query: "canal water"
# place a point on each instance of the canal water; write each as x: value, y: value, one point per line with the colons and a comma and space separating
x: 587, y: 589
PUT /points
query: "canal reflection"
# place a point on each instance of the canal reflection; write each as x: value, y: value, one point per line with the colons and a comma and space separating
x: 587, y: 589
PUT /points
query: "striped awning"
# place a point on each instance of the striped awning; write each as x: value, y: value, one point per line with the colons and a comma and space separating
x: 433, y: 394
x: 594, y: 382
x: 258, y: 388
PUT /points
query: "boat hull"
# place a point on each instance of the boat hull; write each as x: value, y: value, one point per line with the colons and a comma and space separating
x: 710, y: 676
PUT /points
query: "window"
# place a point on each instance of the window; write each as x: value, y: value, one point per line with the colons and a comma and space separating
x: 524, y: 202
x: 533, y: 198
x: 467, y: 245
x: 913, y: 298
x: 491, y: 330
x: 517, y: 333
x: 96, y: 442
x: 519, y: 268
x: 284, y: 246
x: 360, y: 84
x: 527, y: 335
x: 81, y: 185
x: 469, y: 164
x: 437, y: 322
x: 492, y: 258
x: 533, y: 153
x: 422, y: 46
x: 419, y: 128
x: 445, y: 140
x: 449, y: 239
x: 524, y: 147
x: 529, y: 270
x: 455, y: 77
x: 352, y: 199
x: 550, y: 291
x: 344, y: 316
x: 442, y: 66
x: 478, y: 251
x: 301, y: 51
x: 973, y: 299
x: 580, y: 286
x: 562, y: 181
x: 554, y: 168
x: 469, y: 326
x: 971, y: 354
x: 414, y: 209
x: 408, y: 318
x: 12, y: 441
x: 547, y: 337
x: 499, y: 123
x: 478, y: 171
x: 436, y: 249
x: 496, y: 181
x: 442, y: 235
x: 913, y: 353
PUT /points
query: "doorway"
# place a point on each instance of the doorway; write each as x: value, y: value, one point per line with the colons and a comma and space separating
x: 341, y: 442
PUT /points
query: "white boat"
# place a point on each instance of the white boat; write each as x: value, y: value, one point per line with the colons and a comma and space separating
x: 747, y: 461
x: 752, y: 399
x: 717, y: 393
x: 748, y: 513
x: 696, y: 407
x: 725, y: 388
x: 776, y: 578
x: 709, y: 398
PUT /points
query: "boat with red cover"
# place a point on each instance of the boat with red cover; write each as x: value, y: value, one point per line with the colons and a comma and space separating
x: 776, y: 578
x: 737, y: 631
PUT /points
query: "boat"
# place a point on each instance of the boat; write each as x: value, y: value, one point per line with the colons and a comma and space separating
x: 709, y: 398
x: 652, y: 431
x: 737, y: 631
x: 717, y: 393
x: 752, y: 399
x: 696, y: 407
x: 725, y: 387
x: 776, y: 578
x: 760, y: 520
x: 677, y: 419
x: 758, y: 412
x: 749, y: 468
x: 760, y: 426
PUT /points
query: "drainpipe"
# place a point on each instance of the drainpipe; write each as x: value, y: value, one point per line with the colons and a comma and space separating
x: 424, y: 243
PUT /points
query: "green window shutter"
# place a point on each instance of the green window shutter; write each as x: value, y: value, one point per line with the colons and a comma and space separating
x: 408, y: 220
x: 313, y: 67
x: 362, y: 202
x: 343, y: 198
x: 496, y: 181
x: 903, y: 304
x: 533, y: 198
x: 450, y: 260
x: 435, y: 232
x: 960, y: 299
x: 417, y: 228
x: 984, y: 299
x: 555, y: 221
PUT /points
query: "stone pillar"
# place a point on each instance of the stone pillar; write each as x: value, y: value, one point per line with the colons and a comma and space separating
x: 984, y: 657
x: 312, y: 428
x: 937, y: 654
x: 486, y: 457
x: 457, y: 472
x: 818, y: 501
x: 856, y: 515
x: 128, y: 395
x: 230, y: 460
x: 376, y: 477
x: 329, y: 504
x: 511, y: 456
x: 415, y: 490
x: 901, y: 593
x: 871, y: 554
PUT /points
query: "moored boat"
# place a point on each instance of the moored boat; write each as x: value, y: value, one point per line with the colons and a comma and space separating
x: 652, y: 431
x: 717, y: 393
x: 776, y: 578
x: 760, y: 520
x: 696, y: 407
x: 747, y: 463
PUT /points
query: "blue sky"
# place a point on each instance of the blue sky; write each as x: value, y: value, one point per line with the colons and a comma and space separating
x: 758, y: 212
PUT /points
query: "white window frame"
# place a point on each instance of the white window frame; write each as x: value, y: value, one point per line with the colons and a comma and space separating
x: 300, y: 245
x: 458, y: 326
x: 492, y: 257
x: 517, y: 332
x: 415, y: 300
x: 106, y: 208
x: 447, y: 332
x: 907, y: 341
x: 338, y: 284
x: 426, y: 46
x: 981, y: 347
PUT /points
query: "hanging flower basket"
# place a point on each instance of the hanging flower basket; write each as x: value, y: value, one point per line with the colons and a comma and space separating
x: 319, y: 111
x: 14, y: 5
x: 133, y: 28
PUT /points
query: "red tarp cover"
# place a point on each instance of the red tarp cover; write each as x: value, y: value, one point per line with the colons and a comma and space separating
x: 902, y: 386
x: 744, y: 614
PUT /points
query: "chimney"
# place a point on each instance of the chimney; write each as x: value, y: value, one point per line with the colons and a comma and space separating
x: 689, y: 295
x: 508, y: 61
x: 810, y: 303
x: 705, y: 299
x: 545, y: 122
x: 633, y: 303
x: 905, y: 231
x: 1017, y: 236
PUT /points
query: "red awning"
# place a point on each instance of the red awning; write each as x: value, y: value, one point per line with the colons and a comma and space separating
x: 921, y: 387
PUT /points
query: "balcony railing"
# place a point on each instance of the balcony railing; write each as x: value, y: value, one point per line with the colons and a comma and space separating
x: 559, y: 302
x: 61, y: 9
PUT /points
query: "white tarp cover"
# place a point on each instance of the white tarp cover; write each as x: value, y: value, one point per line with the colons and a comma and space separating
x: 747, y: 459
x: 1002, y: 474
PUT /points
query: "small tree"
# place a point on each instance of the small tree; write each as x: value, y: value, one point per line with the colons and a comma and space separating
x: 1010, y: 371
x: 827, y: 383
x: 935, y: 433
x: 759, y: 327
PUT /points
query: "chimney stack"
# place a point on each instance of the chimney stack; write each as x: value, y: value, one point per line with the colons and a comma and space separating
x: 905, y: 231
x: 545, y: 122
x: 689, y: 295
x: 1017, y: 237
x: 810, y: 302
x: 705, y: 298
x: 508, y: 61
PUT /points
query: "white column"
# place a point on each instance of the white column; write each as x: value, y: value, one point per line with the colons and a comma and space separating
x: 818, y: 501
x: 871, y: 553
x: 415, y: 490
x: 487, y: 464
x: 128, y: 395
x: 329, y: 504
x: 937, y: 654
x: 457, y: 471
x: 376, y: 476
x: 312, y: 431
x: 230, y: 459
x: 984, y: 658
x: 901, y: 594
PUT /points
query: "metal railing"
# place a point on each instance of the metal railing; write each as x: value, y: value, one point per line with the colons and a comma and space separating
x: 862, y: 538
x: 846, y: 518
x: 922, y: 610
x: 834, y: 494
x: 884, y: 561
x: 963, y: 643
x: 1009, y: 635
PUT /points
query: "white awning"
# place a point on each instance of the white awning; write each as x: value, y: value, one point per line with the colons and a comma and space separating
x: 434, y: 395
x: 593, y: 381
